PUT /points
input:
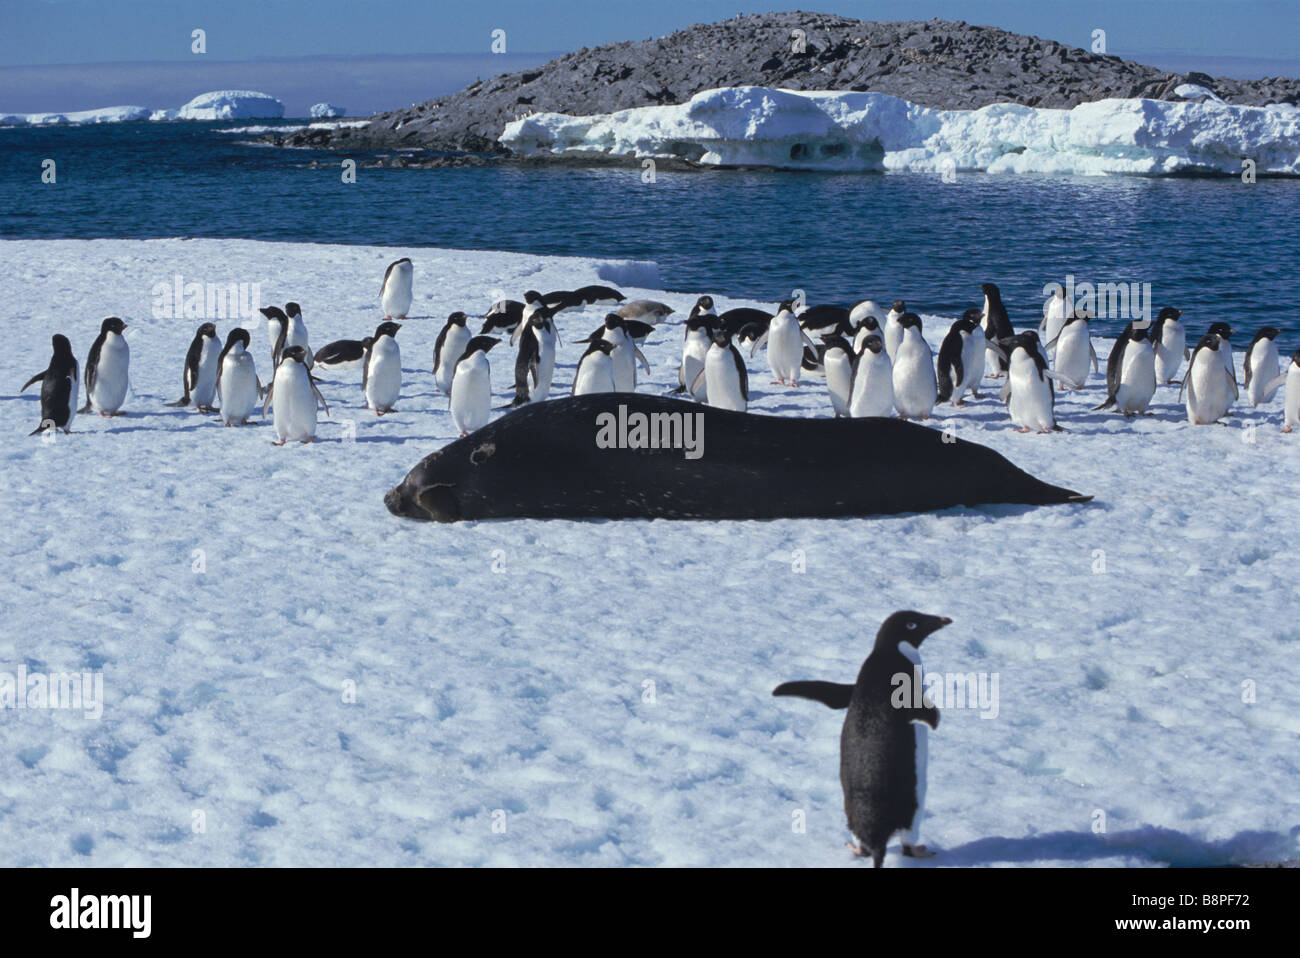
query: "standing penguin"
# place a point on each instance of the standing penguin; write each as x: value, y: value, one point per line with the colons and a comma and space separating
x: 58, y: 387
x: 1029, y: 396
x: 395, y: 293
x: 294, y: 396
x: 1291, y: 401
x: 915, y: 388
x: 695, y: 348
x: 863, y: 310
x: 296, y: 332
x: 595, y: 373
x: 1262, y: 366
x: 286, y: 331
x: 625, y: 353
x: 200, y: 373
x: 450, y: 346
x: 724, y: 378
x: 893, y: 330
x: 884, y: 745
x: 870, y: 326
x: 997, y: 327
x: 108, y: 369
x: 471, y: 386
x: 785, y: 341
x: 1130, y: 373
x: 1210, y: 388
x: 381, y: 379
x: 1075, y: 357
x: 237, y: 384
x: 961, y: 359
x: 1053, y: 317
x: 1225, y: 332
x: 1169, y: 340
x: 872, y: 390
x: 535, y: 360
x: 838, y: 363
x: 277, y: 326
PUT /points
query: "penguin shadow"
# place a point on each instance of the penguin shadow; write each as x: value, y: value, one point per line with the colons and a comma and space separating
x: 1162, y: 846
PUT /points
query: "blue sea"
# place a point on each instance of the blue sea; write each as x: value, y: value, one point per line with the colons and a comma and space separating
x: 1216, y: 248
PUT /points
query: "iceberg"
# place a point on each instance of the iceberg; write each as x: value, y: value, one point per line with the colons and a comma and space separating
x: 108, y: 114
x: 850, y: 131
x: 325, y: 110
x: 232, y: 105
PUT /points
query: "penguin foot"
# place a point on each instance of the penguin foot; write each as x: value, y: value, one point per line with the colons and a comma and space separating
x: 1286, y: 428
x: 279, y: 442
x: 778, y: 382
x: 857, y: 849
x: 975, y: 395
x: 1023, y: 429
x: 917, y: 851
x: 957, y: 403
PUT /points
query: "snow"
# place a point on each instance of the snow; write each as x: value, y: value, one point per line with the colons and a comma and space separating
x: 522, y: 691
x: 825, y: 130
x: 321, y: 110
x: 1194, y: 91
x: 232, y: 105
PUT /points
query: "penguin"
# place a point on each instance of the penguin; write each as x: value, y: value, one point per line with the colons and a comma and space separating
x: 695, y: 348
x: 296, y: 333
x: 238, y: 387
x: 108, y: 369
x: 595, y: 373
x: 625, y: 355
x: 381, y: 378
x: 294, y: 396
x: 200, y: 373
x: 1130, y: 373
x: 704, y: 307
x: 1075, y: 358
x: 277, y: 326
x: 1224, y: 332
x: 645, y: 311
x: 863, y: 309
x: 838, y: 362
x: 535, y: 360
x: 724, y: 378
x: 471, y: 386
x: 785, y: 342
x: 1028, y: 393
x: 894, y: 331
x: 342, y: 354
x: 1262, y: 366
x: 1209, y: 387
x: 872, y: 390
x: 562, y: 299
x: 884, y: 745
x: 822, y: 321
x: 1053, y: 318
x: 58, y: 387
x: 959, y: 354
x: 395, y: 293
x: 450, y: 346
x: 915, y: 388
x: 870, y: 326
x: 1291, y: 400
x: 734, y: 320
x: 504, y: 314
x: 1169, y: 340
x: 997, y: 327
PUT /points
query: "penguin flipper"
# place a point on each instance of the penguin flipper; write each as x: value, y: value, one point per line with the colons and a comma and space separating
x: 641, y: 358
x: 1276, y: 383
x: 270, y: 391
x: 35, y: 379
x: 831, y: 694
x: 1232, y: 381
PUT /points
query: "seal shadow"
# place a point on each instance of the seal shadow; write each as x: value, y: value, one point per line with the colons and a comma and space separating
x: 1163, y: 846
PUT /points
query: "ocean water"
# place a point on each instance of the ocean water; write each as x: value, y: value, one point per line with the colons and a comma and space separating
x: 1216, y: 248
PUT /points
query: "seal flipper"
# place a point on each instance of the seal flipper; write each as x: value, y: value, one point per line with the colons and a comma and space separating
x: 831, y: 694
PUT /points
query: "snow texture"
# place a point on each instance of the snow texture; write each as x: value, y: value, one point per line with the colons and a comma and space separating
x: 790, y: 129
x: 228, y: 589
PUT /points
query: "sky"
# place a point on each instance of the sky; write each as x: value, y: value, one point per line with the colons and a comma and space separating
x: 150, y: 40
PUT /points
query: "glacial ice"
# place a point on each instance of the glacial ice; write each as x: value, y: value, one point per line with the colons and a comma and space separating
x: 232, y: 105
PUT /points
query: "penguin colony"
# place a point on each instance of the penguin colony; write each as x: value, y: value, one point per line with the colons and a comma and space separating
x: 874, y: 362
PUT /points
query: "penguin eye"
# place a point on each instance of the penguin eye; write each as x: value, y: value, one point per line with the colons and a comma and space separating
x: 911, y: 625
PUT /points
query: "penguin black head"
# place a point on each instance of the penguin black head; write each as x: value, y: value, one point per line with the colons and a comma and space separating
x: 787, y: 305
x: 970, y: 319
x: 292, y: 310
x: 459, y: 319
x: 207, y: 330
x: 532, y: 296
x: 613, y: 321
x: 1078, y: 316
x: 1295, y: 356
x: 1222, y: 330
x: 699, y: 321
x: 1209, y: 341
x: 1168, y: 313
x: 909, y: 627
x: 62, y: 348
x: 598, y: 346
x: 836, y: 341
x: 387, y: 328
x: 274, y: 313
x: 873, y: 344
x: 704, y: 304
x: 112, y: 325
x: 1137, y: 333
x: 991, y: 291
x: 1266, y: 332
x: 295, y: 353
x: 479, y: 344
x: 910, y: 319
x: 237, y: 335
x: 367, y: 342
x: 869, y: 322
x: 899, y: 306
x: 721, y: 338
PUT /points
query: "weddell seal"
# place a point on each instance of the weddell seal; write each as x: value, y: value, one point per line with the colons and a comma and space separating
x: 629, y: 456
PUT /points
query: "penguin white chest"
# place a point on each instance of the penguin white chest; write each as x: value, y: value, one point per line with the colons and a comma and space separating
x: 205, y: 384
x: 293, y: 403
x: 471, y: 393
x: 1030, y: 403
x: 1170, y: 350
x: 1290, y: 402
x: 1137, y: 381
x: 1074, y: 353
x: 595, y: 375
x: 238, y: 386
x: 453, y: 347
x: 785, y: 347
x: 545, y: 364
x: 623, y: 356
x: 723, y: 380
x: 397, y: 291
x: 893, y: 335
x: 1208, y: 396
x: 383, y: 374
x: 873, y: 386
x: 839, y: 379
x: 111, y: 374
x: 693, y: 355
x: 915, y: 389
x: 1263, y: 370
x: 973, y: 345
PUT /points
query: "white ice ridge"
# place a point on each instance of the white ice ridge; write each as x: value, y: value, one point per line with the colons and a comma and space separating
x: 828, y: 130
x: 217, y: 105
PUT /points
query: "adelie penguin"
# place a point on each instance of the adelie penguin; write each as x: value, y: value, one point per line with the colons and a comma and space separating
x: 838, y: 361
x: 58, y: 387
x: 294, y: 397
x: 1075, y: 357
x: 1169, y: 340
x: 1130, y: 373
x: 535, y: 360
x: 997, y: 327
x: 503, y: 315
x: 238, y: 387
x: 961, y: 359
x: 1209, y: 387
x: 872, y: 391
x: 395, y: 293
x: 785, y: 342
x: 471, y: 386
x: 1291, y: 400
x: 1030, y: 399
x: 562, y: 299
x: 1225, y: 333
x: 595, y: 373
x: 893, y: 328
x: 200, y: 373
x: 381, y: 379
x: 108, y: 370
x: 915, y: 388
x: 450, y: 346
x: 884, y: 745
x: 695, y: 347
x: 286, y: 328
x: 342, y: 354
x: 724, y: 378
x: 1262, y: 366
x: 822, y: 321
x: 1053, y: 318
x: 624, y: 355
